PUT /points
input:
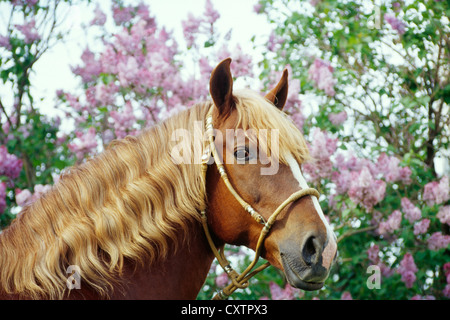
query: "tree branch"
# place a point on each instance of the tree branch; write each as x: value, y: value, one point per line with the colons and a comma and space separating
x: 6, y: 115
x: 353, y: 232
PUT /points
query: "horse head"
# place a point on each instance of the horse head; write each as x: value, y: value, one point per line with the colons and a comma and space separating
x: 251, y: 134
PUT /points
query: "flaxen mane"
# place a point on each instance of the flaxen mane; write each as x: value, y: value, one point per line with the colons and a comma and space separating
x: 255, y: 112
x: 129, y: 202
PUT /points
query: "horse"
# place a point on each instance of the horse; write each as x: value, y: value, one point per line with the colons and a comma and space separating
x: 144, y: 218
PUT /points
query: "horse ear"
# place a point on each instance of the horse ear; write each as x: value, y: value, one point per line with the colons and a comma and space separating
x: 278, y: 95
x: 221, y: 86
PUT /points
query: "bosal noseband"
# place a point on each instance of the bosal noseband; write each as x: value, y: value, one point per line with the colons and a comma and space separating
x: 239, y: 281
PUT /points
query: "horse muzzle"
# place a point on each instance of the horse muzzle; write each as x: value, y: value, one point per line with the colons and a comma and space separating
x: 309, y: 267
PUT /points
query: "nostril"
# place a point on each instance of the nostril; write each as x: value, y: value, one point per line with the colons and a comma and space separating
x: 310, y: 250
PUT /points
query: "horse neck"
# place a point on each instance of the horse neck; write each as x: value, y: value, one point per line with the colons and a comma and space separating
x: 180, y: 275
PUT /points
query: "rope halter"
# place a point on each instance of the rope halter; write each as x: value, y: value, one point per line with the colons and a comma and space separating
x: 239, y: 281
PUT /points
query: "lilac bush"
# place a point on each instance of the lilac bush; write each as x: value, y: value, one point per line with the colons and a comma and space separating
x: 136, y: 79
x: 31, y: 149
x: 379, y: 121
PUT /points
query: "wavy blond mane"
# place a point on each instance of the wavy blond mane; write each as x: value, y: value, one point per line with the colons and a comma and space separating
x: 131, y: 202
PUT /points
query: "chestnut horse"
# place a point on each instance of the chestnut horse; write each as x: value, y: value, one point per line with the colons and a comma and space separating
x: 127, y: 224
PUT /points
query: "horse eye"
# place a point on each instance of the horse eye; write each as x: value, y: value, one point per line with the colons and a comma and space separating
x: 242, y: 154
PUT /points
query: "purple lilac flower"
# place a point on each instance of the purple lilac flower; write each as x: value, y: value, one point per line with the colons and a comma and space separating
x: 277, y: 293
x: 337, y: 118
x: 24, y: 2
x: 258, y: 8
x: 23, y: 197
x: 99, y: 17
x: 4, y: 42
x: 421, y: 227
x: 2, y: 197
x: 222, y: 280
x: 122, y: 14
x: 427, y: 297
x: 446, y: 290
x: 366, y: 190
x: 444, y: 214
x: 391, y: 170
x: 123, y: 121
x: 391, y: 224
x: 438, y: 241
x: 395, y: 23
x: 191, y: 28
x: 321, y: 72
x: 322, y: 148
x: 91, y: 67
x: 29, y: 31
x: 408, y: 269
x: 87, y: 143
x: 346, y: 296
x: 10, y: 165
x: 437, y: 192
x: 211, y: 14
x: 372, y: 254
x: 274, y: 42
x: 412, y: 213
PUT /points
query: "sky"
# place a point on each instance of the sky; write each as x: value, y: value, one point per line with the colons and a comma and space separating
x: 52, y: 71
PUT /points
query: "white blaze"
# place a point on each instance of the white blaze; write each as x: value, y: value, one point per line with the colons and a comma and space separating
x: 328, y: 253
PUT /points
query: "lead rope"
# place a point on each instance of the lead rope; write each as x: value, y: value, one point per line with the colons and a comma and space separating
x: 239, y: 281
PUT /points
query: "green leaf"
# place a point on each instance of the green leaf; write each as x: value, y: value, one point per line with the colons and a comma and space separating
x: 209, y: 43
x: 414, y: 127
